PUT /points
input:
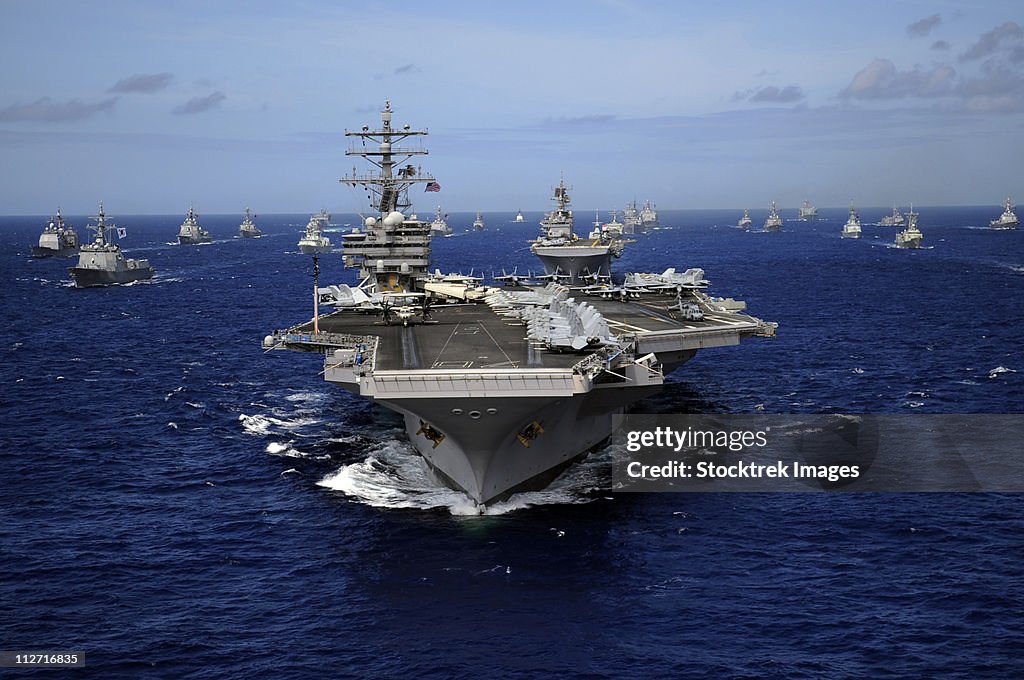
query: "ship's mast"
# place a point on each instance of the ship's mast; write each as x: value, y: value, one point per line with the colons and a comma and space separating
x: 101, y: 227
x: 388, y: 189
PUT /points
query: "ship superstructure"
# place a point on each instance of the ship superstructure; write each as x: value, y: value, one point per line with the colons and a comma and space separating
x: 565, y: 256
x: 852, y: 227
x: 101, y: 262
x: 313, y: 239
x: 478, y: 223
x: 500, y: 387
x: 774, y: 220
x: 519, y: 217
x: 1008, y: 220
x: 57, y: 240
x: 248, y: 228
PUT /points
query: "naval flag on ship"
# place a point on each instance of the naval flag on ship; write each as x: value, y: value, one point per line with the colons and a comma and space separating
x: 121, y: 232
x: 433, y: 186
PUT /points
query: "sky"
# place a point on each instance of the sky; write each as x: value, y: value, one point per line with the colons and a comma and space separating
x: 155, y: 106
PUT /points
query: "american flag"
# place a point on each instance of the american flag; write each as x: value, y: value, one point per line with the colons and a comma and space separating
x: 433, y: 186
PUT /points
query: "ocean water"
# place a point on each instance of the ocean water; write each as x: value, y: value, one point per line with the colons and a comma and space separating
x: 177, y: 503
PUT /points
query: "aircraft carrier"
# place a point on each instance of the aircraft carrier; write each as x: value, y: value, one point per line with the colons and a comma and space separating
x: 501, y: 387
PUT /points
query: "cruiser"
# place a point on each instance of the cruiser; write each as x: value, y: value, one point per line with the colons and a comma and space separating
x: 565, y: 256
x: 313, y: 241
x: 808, y: 213
x: 519, y: 216
x: 648, y: 216
x: 248, y: 229
x: 101, y: 263
x: 57, y: 240
x: 631, y: 219
x: 745, y: 221
x: 478, y: 223
x: 911, y: 237
x: 501, y: 388
x: 774, y: 221
x: 191, y: 232
x: 893, y: 220
x: 852, y: 227
x: 1008, y: 220
x: 439, y: 227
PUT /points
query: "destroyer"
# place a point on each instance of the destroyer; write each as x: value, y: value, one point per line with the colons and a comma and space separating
x: 57, y: 240
x: 314, y: 241
x: 852, y: 227
x: 101, y: 263
x: 565, y: 256
x: 1008, y: 220
x: 911, y: 237
x: 439, y: 226
x: 774, y: 220
x: 745, y: 221
x: 248, y: 228
x: 190, y: 232
x: 478, y: 223
x: 500, y: 388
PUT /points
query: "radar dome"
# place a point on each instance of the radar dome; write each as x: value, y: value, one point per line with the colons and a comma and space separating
x: 394, y: 219
x: 370, y: 221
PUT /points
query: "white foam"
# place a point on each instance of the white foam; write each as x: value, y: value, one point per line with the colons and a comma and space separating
x: 395, y: 476
x: 999, y: 370
x: 258, y: 425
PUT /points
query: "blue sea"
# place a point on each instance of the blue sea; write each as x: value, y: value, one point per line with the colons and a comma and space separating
x: 176, y: 503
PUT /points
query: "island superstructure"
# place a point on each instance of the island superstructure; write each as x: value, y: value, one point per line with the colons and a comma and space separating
x: 57, y: 240
x: 500, y: 388
x: 565, y: 256
x: 101, y: 262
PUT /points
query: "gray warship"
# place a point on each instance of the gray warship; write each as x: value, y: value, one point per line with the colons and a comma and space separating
x: 248, y: 228
x: 191, y: 232
x: 500, y: 387
x: 101, y: 262
x: 911, y: 237
x: 774, y: 221
x: 57, y: 240
x: 313, y: 240
x: 648, y: 216
x: 566, y: 257
x: 1008, y: 220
